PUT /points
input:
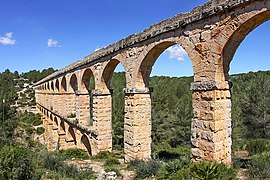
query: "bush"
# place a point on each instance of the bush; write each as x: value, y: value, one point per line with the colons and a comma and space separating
x: 145, y: 169
x: 104, y: 155
x: 37, y: 121
x: 87, y: 173
x: 258, y: 146
x: 211, y: 170
x: 259, y: 166
x: 177, y: 168
x: 70, y: 171
x: 16, y: 163
x: 73, y: 153
x: 111, y: 161
x: 40, y: 130
x: 52, y: 162
x: 167, y: 153
x: 29, y: 130
x: 112, y: 169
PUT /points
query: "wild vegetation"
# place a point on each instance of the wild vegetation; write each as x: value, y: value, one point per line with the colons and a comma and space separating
x: 172, y: 115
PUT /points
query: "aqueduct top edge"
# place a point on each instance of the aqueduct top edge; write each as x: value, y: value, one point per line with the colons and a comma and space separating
x: 208, y: 9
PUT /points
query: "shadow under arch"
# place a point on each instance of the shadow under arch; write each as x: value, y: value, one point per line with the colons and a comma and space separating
x: 64, y: 84
x: 52, y: 86
x: 72, y: 135
x: 56, y: 122
x: 62, y: 126
x: 88, y: 80
x: 86, y: 143
x: 74, y: 82
x: 57, y: 85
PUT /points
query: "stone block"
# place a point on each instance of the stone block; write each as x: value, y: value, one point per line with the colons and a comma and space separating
x: 206, y: 35
x: 206, y: 146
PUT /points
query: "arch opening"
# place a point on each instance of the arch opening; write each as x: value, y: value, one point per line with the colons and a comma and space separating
x: 171, y: 99
x: 74, y: 83
x: 62, y: 127
x: 57, y: 85
x: 64, y: 84
x: 52, y: 86
x: 246, y: 65
x: 88, y: 81
x: 88, y: 85
x: 114, y: 81
x: 72, y: 135
x: 86, y: 144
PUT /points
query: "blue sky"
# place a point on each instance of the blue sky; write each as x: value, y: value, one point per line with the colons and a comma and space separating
x: 38, y: 34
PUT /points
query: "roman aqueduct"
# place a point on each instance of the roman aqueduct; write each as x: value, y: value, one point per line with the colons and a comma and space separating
x: 210, y: 34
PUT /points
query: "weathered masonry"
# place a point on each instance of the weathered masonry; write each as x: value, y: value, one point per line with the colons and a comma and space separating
x: 210, y: 34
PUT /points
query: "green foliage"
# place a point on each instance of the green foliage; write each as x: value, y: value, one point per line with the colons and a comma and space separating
x: 16, y: 163
x: 29, y: 130
x: 145, y: 169
x: 251, y: 110
x: 259, y: 166
x: 73, y: 153
x: 258, y: 146
x: 104, y: 155
x: 177, y: 168
x: 52, y: 162
x: 172, y: 110
x: 56, y: 164
x: 34, y: 75
x: 118, y: 101
x: 30, y: 119
x: 112, y: 169
x: 211, y: 170
x: 165, y: 152
x: 111, y: 161
x: 40, y: 130
x: 72, y: 115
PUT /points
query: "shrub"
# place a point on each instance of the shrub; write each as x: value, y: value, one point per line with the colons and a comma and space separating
x: 29, y: 130
x: 211, y: 170
x: 259, y: 166
x: 87, y: 173
x: 16, y: 163
x: 145, y: 169
x: 52, y: 162
x: 112, y: 168
x: 40, y: 130
x: 104, y: 155
x: 177, y: 168
x: 167, y: 153
x: 37, y: 121
x: 70, y: 171
x: 73, y: 153
x: 59, y: 169
x: 258, y: 146
x: 111, y: 161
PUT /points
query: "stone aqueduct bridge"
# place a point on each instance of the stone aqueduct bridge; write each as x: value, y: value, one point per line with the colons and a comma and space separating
x: 210, y: 34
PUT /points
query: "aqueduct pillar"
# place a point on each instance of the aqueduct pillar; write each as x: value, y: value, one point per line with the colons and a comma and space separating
x: 211, y: 126
x: 102, y: 121
x: 137, y: 125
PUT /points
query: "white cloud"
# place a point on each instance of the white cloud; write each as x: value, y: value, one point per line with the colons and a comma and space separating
x: 7, y: 39
x: 53, y: 43
x: 176, y: 52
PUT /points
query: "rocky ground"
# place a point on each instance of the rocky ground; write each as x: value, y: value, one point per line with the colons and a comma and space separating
x: 98, y: 168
